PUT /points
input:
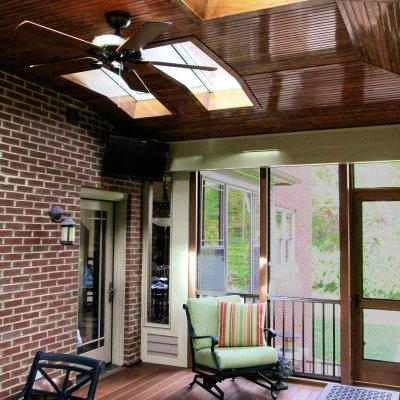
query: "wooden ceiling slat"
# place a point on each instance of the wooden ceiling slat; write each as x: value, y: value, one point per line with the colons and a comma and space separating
x: 300, y: 62
x: 373, y: 27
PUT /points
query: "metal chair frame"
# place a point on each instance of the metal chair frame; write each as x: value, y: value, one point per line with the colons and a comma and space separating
x: 87, y: 368
x: 210, y: 377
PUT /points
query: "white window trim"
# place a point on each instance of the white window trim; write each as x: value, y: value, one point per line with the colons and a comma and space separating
x: 228, y: 182
x: 292, y: 265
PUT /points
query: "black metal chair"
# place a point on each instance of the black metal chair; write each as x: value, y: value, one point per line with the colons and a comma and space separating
x: 211, y: 376
x: 87, y: 370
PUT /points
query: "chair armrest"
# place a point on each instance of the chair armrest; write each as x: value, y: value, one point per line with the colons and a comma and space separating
x: 269, y: 335
x: 214, y: 340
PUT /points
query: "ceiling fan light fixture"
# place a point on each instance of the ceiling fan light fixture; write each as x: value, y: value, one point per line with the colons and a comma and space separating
x: 108, y: 40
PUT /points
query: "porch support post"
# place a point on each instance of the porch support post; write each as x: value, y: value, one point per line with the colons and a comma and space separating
x: 265, y: 179
x: 345, y: 190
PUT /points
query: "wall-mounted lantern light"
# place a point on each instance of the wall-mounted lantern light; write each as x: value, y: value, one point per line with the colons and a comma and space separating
x: 67, y: 224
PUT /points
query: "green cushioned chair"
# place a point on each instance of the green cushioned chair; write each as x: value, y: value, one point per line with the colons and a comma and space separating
x: 213, y: 364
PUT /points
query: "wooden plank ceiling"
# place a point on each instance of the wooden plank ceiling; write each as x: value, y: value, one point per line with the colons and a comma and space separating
x: 304, y: 68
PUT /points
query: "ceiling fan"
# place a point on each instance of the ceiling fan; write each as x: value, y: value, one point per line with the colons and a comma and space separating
x: 111, y: 51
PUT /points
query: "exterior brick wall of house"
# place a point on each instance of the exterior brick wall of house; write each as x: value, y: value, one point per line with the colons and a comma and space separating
x: 45, y: 160
x: 296, y: 197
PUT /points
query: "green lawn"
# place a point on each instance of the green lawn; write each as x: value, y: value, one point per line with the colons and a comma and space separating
x: 328, y: 338
x: 383, y: 342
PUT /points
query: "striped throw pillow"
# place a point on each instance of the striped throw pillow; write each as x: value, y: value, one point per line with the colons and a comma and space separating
x: 241, y: 325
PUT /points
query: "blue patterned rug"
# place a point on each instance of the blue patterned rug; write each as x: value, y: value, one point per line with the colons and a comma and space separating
x: 343, y: 392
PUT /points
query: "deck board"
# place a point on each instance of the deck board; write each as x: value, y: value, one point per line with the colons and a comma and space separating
x: 158, y: 382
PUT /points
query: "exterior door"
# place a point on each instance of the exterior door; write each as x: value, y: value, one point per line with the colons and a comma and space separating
x: 377, y: 286
x: 96, y: 279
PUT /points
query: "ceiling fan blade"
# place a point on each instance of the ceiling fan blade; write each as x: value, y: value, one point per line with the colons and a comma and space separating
x: 147, y: 32
x: 188, y: 66
x: 65, y: 67
x: 43, y: 34
x: 134, y: 81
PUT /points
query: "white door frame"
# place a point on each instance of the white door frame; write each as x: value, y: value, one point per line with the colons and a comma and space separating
x: 120, y: 213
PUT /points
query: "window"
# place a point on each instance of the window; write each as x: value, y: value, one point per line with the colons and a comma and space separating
x: 156, y: 246
x: 229, y: 237
x: 212, y: 261
x: 213, y: 89
x: 111, y: 85
x: 284, y: 237
x: 216, y: 9
x: 212, y: 209
x: 377, y: 174
x: 239, y: 241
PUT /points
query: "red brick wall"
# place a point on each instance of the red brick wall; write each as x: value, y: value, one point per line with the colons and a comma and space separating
x: 45, y: 160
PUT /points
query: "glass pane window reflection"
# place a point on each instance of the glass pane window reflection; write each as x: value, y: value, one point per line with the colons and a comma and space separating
x: 92, y: 285
x: 159, y: 257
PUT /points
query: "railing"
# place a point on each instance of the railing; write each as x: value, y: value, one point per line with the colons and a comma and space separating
x: 308, y: 332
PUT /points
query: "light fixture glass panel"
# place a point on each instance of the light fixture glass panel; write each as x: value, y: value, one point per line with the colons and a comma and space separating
x: 168, y: 54
x: 108, y: 40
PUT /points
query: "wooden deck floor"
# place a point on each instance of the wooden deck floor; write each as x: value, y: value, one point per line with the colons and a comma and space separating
x: 156, y: 382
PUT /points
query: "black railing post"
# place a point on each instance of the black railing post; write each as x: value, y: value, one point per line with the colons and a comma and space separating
x: 302, y: 335
x: 313, y: 338
x: 323, y: 338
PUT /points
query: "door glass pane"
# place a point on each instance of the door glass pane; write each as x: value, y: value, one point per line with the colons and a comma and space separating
x: 239, y: 244
x: 382, y: 335
x: 381, y: 249
x: 378, y: 174
x: 91, y: 280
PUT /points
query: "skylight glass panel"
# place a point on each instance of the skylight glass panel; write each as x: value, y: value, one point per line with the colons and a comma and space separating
x: 214, y: 80
x: 215, y: 90
x: 167, y: 53
x: 107, y: 83
x: 111, y: 85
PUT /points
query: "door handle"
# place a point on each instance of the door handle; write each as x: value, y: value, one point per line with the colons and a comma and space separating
x: 357, y: 301
x: 111, y: 291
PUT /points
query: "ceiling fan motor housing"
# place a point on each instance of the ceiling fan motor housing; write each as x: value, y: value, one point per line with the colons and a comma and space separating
x: 118, y: 20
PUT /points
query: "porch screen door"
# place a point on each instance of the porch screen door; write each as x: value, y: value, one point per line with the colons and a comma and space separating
x: 377, y: 286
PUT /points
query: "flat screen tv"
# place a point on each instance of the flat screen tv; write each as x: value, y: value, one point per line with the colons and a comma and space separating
x: 133, y: 158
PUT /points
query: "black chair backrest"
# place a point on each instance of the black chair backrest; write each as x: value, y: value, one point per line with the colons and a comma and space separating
x: 87, y: 370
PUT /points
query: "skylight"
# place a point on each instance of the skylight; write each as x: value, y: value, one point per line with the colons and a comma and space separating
x: 216, y: 9
x: 214, y: 89
x: 111, y: 85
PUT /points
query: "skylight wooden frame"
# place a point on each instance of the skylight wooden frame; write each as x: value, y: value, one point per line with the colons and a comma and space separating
x: 204, y: 10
